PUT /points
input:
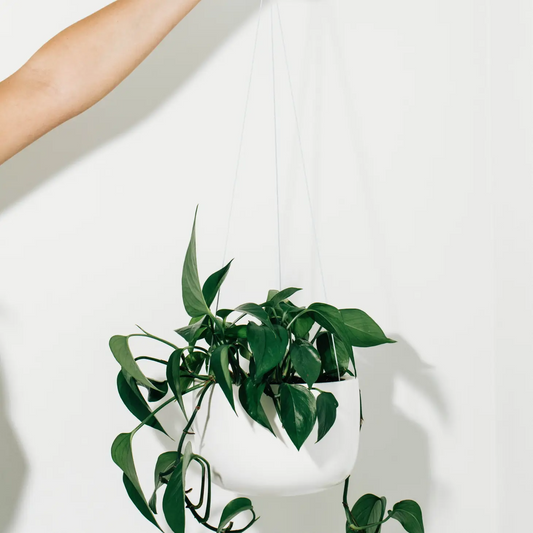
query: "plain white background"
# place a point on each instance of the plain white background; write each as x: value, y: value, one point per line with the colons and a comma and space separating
x: 416, y: 120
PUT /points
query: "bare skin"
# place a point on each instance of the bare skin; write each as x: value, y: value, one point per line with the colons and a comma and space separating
x: 81, y: 65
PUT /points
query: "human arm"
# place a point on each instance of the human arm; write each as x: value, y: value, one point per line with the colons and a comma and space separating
x: 81, y: 65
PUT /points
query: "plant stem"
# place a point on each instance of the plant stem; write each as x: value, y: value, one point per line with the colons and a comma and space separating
x: 151, y: 415
x: 193, y: 416
x: 196, y: 387
x: 160, y: 361
x: 316, y: 335
x: 364, y: 528
x: 153, y: 337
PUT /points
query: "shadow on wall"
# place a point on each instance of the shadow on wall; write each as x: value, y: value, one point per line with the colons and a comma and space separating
x: 394, y: 456
x: 169, y: 66
x: 13, y: 467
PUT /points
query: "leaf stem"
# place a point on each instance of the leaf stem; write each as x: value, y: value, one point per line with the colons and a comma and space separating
x: 151, y: 415
x: 193, y: 416
x: 145, y: 334
x: 160, y: 361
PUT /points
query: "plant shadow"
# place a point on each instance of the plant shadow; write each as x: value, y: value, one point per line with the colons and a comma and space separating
x: 394, y: 455
x: 173, y: 62
x: 13, y: 466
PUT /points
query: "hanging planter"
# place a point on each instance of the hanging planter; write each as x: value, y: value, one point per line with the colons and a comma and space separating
x: 276, y: 406
x: 249, y: 459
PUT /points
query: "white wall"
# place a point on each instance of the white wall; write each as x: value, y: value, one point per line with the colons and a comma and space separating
x: 414, y: 117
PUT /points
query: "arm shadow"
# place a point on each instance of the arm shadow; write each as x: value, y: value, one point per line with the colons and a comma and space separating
x: 176, y: 60
x: 13, y: 466
x: 394, y: 455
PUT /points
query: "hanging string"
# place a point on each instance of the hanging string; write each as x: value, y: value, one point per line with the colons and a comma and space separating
x: 276, y: 158
x: 245, y: 115
x: 304, y: 166
x: 306, y: 179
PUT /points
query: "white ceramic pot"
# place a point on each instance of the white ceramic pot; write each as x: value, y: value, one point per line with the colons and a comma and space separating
x: 247, y: 459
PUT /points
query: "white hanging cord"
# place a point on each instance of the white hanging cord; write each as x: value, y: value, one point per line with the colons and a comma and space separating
x: 276, y: 161
x: 313, y: 223
x: 304, y: 167
x: 245, y: 115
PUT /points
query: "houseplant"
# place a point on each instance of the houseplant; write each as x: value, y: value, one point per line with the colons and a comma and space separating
x: 285, y: 356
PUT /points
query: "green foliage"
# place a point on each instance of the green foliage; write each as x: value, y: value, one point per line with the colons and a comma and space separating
x: 298, y: 412
x: 368, y: 514
x: 233, y: 509
x: 271, y: 352
x: 326, y: 413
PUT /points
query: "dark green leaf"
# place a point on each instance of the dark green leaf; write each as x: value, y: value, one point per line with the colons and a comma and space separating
x: 224, y: 313
x: 361, y: 330
x: 409, y: 514
x: 163, y: 470
x: 192, y: 363
x: 192, y: 332
x: 368, y: 509
x: 268, y: 346
x: 306, y: 361
x: 139, y: 501
x: 154, y: 395
x: 213, y: 284
x: 220, y: 367
x: 122, y: 353
x: 256, y: 311
x: 133, y: 399
x: 275, y: 298
x: 174, y: 498
x: 193, y: 298
x: 237, y: 332
x: 328, y: 317
x: 234, y: 508
x: 122, y: 455
x: 298, y: 412
x: 173, y: 378
x: 250, y: 396
x: 324, y: 345
x: 326, y: 413
x: 302, y: 326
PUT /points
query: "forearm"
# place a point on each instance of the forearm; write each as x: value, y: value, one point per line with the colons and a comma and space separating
x: 87, y: 60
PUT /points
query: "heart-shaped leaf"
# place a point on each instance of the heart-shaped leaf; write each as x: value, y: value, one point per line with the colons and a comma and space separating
x: 361, y: 330
x: 122, y: 455
x: 302, y: 326
x: 268, y: 346
x: 133, y: 399
x: 174, y: 498
x: 250, y: 396
x: 122, y: 353
x: 234, y: 508
x: 298, y: 412
x: 409, y: 514
x: 369, y: 509
x: 275, y: 297
x: 213, y: 284
x: 327, y: 351
x: 193, y: 298
x: 163, y: 470
x: 220, y: 368
x: 306, y: 361
x: 326, y: 412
